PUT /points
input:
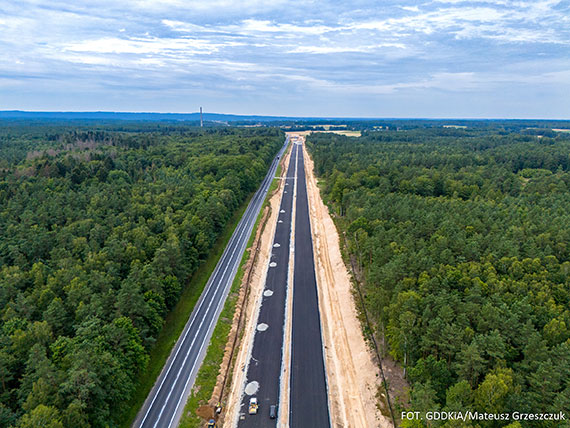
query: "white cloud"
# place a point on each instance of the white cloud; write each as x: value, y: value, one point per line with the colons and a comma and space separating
x: 344, y: 49
x: 216, y: 5
x: 184, y: 27
x: 370, y: 48
x: 154, y: 45
x: 266, y: 26
x: 443, y: 81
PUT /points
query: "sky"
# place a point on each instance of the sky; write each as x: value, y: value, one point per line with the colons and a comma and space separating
x: 358, y: 58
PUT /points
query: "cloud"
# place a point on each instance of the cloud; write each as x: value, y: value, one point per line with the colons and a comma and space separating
x: 265, y: 26
x: 345, y: 49
x: 185, y: 27
x: 224, y: 48
x: 152, y: 45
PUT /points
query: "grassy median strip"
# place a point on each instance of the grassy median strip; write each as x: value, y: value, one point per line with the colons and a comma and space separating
x: 176, y: 320
x: 208, y: 373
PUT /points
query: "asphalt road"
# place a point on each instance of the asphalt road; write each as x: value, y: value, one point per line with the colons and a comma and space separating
x: 264, y: 367
x: 308, y: 406
x: 165, y: 403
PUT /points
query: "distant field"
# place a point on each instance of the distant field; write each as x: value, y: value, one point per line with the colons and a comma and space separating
x: 339, y: 132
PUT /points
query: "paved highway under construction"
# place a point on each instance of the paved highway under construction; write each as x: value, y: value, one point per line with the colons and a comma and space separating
x: 307, y: 397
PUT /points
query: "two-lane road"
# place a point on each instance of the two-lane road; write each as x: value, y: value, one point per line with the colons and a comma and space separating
x: 165, y: 403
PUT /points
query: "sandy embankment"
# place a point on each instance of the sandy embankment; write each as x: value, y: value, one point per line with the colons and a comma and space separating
x: 352, y: 376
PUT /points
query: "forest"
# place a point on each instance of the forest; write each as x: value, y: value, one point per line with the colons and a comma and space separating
x: 461, y: 238
x: 102, y: 226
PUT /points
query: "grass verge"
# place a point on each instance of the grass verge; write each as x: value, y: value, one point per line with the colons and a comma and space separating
x: 208, y: 373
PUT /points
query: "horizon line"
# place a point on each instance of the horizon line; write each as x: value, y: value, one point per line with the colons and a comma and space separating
x: 32, y: 112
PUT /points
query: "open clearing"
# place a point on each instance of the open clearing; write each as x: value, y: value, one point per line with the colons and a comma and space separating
x: 339, y: 132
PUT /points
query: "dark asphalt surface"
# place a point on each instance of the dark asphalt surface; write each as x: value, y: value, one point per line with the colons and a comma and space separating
x: 265, y: 360
x: 308, y: 407
x: 164, y: 405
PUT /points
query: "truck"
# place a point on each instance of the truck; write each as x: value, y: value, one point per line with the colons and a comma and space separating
x: 253, y: 406
x: 211, y: 423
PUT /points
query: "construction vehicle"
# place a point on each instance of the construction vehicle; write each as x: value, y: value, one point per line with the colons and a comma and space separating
x: 211, y: 424
x: 253, y: 406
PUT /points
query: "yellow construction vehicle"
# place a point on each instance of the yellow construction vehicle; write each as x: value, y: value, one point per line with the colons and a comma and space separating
x: 253, y: 406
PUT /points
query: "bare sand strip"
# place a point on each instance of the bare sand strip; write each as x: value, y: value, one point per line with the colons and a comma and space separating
x: 353, y: 378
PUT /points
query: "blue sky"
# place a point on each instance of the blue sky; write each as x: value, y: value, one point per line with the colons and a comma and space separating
x: 440, y: 58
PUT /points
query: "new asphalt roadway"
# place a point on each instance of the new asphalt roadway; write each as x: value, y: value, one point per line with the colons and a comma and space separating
x: 308, y: 405
x: 165, y: 403
x: 308, y: 399
x: 264, y: 367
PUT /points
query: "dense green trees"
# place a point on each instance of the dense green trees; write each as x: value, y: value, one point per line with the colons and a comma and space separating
x: 100, y: 230
x: 462, y: 240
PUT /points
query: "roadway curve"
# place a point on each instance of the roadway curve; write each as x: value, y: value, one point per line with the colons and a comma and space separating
x: 165, y: 403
